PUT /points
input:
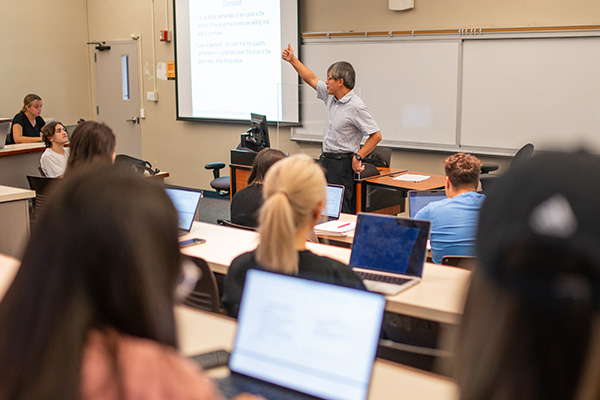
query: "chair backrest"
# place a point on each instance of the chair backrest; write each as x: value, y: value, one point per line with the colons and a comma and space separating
x: 522, y: 154
x: 43, y: 187
x: 380, y: 156
x: 206, y: 293
x: 465, y: 262
x: 41, y: 171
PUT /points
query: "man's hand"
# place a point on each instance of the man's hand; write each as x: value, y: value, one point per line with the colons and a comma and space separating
x: 357, y: 165
x: 288, y: 53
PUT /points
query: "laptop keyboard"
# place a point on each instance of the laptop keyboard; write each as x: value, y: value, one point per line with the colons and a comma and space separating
x: 236, y: 384
x: 396, y: 280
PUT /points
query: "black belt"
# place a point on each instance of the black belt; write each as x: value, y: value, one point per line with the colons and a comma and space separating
x: 337, y: 156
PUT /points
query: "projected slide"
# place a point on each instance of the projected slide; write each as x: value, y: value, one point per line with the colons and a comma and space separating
x: 229, y: 59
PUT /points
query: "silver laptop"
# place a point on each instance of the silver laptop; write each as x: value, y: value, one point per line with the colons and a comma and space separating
x: 418, y: 199
x: 300, y: 339
x: 333, y: 206
x: 388, y: 252
x: 4, y: 129
x: 186, y: 203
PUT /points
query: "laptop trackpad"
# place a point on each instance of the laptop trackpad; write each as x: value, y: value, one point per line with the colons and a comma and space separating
x: 387, y: 288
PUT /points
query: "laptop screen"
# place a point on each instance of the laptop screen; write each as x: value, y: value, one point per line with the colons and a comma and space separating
x: 333, y: 206
x: 417, y: 199
x: 390, y: 244
x: 308, y: 336
x: 186, y: 204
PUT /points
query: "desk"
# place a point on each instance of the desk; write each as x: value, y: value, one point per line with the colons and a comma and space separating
x: 19, y: 160
x: 199, y: 332
x: 343, y: 241
x: 439, y: 297
x: 14, y: 214
x: 386, y: 181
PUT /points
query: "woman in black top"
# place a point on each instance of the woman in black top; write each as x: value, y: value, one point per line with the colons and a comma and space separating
x: 246, y: 203
x: 294, y: 191
x: 26, y: 126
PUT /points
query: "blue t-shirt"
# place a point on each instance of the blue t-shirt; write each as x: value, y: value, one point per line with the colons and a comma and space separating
x: 453, y: 225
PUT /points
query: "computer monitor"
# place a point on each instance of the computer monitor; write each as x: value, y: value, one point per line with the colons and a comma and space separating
x: 257, y: 137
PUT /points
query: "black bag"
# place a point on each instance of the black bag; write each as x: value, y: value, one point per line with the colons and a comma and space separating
x: 135, y: 164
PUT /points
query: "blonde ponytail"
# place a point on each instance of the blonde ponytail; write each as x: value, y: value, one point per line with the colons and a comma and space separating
x: 293, y: 187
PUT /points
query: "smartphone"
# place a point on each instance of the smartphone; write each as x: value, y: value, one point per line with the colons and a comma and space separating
x: 191, y: 242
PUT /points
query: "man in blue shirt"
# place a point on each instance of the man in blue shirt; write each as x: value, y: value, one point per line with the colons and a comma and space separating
x: 454, y: 220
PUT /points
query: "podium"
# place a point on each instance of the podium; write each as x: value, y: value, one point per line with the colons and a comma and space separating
x: 239, y: 169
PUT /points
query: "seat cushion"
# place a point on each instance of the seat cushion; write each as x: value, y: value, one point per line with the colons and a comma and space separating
x: 221, y: 183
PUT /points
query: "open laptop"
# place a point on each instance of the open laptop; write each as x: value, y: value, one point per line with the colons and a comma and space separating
x: 303, y: 339
x: 388, y: 252
x: 186, y: 203
x: 333, y: 206
x: 418, y: 199
x: 4, y: 129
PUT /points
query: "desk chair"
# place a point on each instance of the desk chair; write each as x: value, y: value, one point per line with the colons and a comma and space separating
x: 487, y: 180
x: 206, y: 293
x: 220, y: 183
x: 379, y: 157
x: 465, y: 262
x: 43, y: 187
x: 41, y: 171
x: 226, y: 222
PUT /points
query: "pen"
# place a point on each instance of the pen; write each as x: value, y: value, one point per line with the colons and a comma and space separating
x: 341, y: 226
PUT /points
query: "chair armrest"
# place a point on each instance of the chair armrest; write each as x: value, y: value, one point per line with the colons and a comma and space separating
x: 215, y: 165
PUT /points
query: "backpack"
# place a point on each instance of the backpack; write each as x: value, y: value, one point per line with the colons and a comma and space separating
x: 135, y: 164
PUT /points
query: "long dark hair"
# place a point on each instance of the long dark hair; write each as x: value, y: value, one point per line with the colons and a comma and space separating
x: 262, y: 162
x: 104, y: 254
x: 91, y: 142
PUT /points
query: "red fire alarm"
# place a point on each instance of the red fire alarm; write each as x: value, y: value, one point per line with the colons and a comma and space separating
x: 165, y: 36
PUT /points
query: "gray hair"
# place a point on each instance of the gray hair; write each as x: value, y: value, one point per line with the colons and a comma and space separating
x: 345, y: 71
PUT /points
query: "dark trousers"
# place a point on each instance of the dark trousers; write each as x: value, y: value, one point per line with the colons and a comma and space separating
x: 338, y: 170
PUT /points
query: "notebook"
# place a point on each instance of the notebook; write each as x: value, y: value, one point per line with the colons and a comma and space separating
x: 186, y: 203
x: 4, y: 129
x: 303, y: 339
x: 335, y: 198
x: 388, y: 252
x: 417, y: 199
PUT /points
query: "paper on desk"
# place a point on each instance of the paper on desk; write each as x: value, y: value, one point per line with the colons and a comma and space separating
x: 411, y: 178
x: 335, y: 228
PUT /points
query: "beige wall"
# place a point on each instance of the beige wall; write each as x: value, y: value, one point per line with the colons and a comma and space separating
x: 44, y: 51
x: 53, y: 61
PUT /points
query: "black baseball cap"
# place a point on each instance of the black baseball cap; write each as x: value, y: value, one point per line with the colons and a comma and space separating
x: 549, y: 204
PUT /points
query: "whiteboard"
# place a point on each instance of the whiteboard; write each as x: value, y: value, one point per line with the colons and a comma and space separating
x: 545, y: 91
x: 411, y: 89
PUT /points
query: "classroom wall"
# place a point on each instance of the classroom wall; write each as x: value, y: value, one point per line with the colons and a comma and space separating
x: 50, y: 57
x: 44, y: 51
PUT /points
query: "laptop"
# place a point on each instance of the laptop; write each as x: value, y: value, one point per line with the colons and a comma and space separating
x: 4, y: 129
x: 186, y: 203
x: 303, y: 339
x: 418, y: 199
x: 333, y: 206
x: 388, y: 252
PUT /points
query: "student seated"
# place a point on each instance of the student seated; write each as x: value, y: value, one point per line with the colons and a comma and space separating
x: 454, y: 220
x: 531, y: 324
x: 247, y: 202
x: 54, y: 158
x: 91, y: 143
x: 90, y: 312
x: 27, y: 125
x: 294, y: 190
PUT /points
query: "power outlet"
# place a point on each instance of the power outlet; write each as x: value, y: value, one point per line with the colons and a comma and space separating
x: 152, y: 96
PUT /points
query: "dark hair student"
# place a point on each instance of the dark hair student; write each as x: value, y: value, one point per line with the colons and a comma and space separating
x: 91, y: 142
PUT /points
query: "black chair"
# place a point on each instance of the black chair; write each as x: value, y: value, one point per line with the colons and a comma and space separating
x: 487, y: 180
x: 226, y: 222
x: 379, y: 157
x: 43, y: 187
x: 465, y: 262
x: 221, y: 184
x: 41, y: 171
x: 205, y: 295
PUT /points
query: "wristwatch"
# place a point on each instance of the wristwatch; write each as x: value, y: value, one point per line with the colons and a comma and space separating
x: 358, y: 157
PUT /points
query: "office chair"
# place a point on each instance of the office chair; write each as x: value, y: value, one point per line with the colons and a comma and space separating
x: 226, y: 222
x: 205, y: 295
x: 465, y: 262
x: 43, y: 187
x: 221, y: 184
x: 41, y: 171
x: 379, y: 157
x: 487, y: 180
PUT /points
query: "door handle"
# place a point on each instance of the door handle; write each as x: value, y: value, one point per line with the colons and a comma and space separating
x: 135, y: 120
